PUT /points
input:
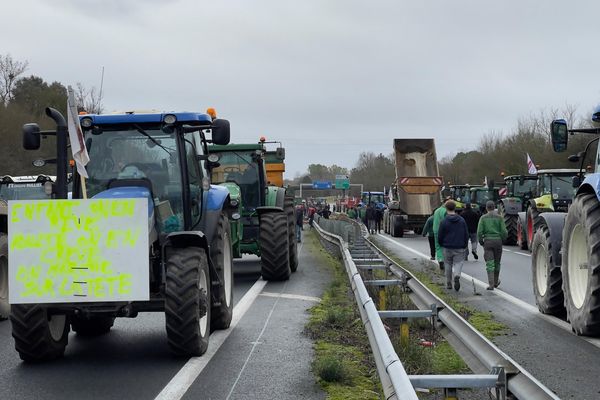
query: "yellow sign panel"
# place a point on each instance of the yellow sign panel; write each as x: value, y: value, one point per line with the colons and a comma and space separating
x: 65, y: 251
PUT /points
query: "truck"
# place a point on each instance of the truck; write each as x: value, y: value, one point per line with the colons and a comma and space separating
x: 16, y: 188
x: 565, y: 258
x: 415, y: 193
x: 513, y: 200
x: 158, y: 160
x: 553, y: 193
x: 266, y: 223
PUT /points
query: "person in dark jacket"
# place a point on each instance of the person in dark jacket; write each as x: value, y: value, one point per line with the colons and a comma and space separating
x: 371, y: 217
x: 428, y: 231
x: 471, y: 217
x: 453, y: 237
x: 299, y: 222
x: 378, y: 218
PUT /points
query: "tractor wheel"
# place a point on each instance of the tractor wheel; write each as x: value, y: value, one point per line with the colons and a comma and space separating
x: 38, y: 336
x: 292, y: 240
x: 221, y: 256
x: 533, y: 222
x: 581, y: 264
x: 398, y: 227
x: 547, y: 278
x: 521, y: 234
x: 274, y: 247
x: 4, y: 306
x: 93, y: 326
x: 511, y: 222
x: 187, y: 301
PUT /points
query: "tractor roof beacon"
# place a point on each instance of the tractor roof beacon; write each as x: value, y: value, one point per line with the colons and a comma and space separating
x: 161, y: 157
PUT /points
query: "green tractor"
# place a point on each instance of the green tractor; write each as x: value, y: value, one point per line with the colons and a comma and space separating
x: 461, y: 194
x: 554, y: 193
x: 265, y: 220
x: 513, y: 199
x: 480, y: 195
x: 16, y: 188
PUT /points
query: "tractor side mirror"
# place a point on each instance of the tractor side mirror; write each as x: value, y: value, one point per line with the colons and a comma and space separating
x: 280, y: 153
x: 576, y: 181
x: 560, y: 135
x: 220, y: 131
x: 521, y: 180
x: 31, y: 136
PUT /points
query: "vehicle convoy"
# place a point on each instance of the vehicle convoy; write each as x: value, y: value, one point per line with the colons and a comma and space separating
x: 158, y: 159
x: 461, y: 194
x: 265, y: 224
x: 519, y: 190
x: 415, y: 193
x: 15, y: 188
x: 480, y: 195
x: 375, y: 198
x: 553, y: 193
x: 566, y: 245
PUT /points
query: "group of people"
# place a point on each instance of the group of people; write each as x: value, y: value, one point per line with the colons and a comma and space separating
x: 373, y: 216
x: 449, y: 235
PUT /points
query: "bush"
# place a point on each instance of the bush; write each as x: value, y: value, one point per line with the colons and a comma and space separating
x: 331, y: 369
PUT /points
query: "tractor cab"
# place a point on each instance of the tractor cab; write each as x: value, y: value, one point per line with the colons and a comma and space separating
x: 554, y: 190
x: 461, y: 194
x: 376, y: 198
x: 521, y: 186
x: 481, y: 195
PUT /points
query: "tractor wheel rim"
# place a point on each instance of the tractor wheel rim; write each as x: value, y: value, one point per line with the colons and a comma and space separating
x: 529, y: 229
x: 541, y: 270
x: 56, y: 325
x: 578, y: 266
x: 3, y: 278
x: 203, y: 285
x: 519, y: 233
x: 227, y: 270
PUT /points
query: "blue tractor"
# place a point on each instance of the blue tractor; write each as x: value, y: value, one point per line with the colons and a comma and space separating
x: 566, y: 245
x: 161, y: 157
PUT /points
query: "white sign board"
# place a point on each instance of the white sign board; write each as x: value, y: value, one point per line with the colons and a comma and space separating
x: 74, y: 251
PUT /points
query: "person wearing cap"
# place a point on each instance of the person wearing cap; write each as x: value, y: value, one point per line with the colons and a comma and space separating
x: 491, y: 232
x: 438, y: 215
x: 453, y: 236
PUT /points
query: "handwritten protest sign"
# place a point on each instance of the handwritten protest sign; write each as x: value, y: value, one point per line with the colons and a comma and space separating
x: 65, y: 251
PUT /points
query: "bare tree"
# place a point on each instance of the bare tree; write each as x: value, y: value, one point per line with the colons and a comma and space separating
x: 10, y: 70
x: 88, y: 99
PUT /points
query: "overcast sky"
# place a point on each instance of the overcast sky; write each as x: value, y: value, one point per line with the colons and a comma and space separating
x: 327, y: 78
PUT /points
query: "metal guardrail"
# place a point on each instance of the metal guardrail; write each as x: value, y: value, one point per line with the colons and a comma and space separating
x: 394, y: 379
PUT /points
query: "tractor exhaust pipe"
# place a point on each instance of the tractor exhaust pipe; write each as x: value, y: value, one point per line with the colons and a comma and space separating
x: 62, y: 130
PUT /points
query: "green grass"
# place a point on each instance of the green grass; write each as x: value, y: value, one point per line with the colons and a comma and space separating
x: 343, y: 361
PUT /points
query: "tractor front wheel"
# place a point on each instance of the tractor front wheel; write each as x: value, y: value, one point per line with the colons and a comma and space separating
x: 522, y: 233
x: 547, y: 278
x: 292, y: 240
x: 39, y: 336
x: 187, y: 301
x: 221, y: 256
x: 533, y: 221
x: 274, y: 247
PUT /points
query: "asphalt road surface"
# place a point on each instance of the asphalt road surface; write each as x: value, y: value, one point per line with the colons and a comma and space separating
x: 545, y: 346
x: 265, y: 355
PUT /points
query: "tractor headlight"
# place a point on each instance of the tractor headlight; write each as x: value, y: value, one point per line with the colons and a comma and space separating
x: 235, y: 216
x: 86, y: 122
x: 234, y: 203
x: 170, y: 119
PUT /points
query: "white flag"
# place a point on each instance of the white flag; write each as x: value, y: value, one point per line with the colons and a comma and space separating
x: 80, y: 154
x: 531, y: 166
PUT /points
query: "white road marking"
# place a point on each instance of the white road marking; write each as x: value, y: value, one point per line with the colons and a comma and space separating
x: 256, y: 342
x: 517, y: 252
x: 186, y: 376
x: 291, y: 296
x: 516, y: 301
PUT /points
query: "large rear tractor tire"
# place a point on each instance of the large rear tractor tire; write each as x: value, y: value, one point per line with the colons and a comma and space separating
x: 274, y: 247
x: 4, y: 306
x: 398, y: 227
x: 546, y: 275
x: 38, y: 335
x: 187, y: 301
x: 292, y: 240
x: 510, y: 220
x: 522, y: 233
x: 93, y: 326
x: 581, y: 264
x: 221, y: 255
x: 533, y: 222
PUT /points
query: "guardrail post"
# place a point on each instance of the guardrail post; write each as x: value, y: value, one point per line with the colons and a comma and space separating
x: 404, y: 332
x: 382, y: 299
x: 450, y: 394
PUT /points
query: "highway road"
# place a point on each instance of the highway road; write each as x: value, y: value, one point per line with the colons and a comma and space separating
x: 545, y: 346
x: 265, y: 356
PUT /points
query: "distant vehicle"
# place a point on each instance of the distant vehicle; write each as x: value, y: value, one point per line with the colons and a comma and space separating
x: 513, y: 200
x: 415, y: 194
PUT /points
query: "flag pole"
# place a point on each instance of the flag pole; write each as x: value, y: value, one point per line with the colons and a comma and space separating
x: 83, y: 188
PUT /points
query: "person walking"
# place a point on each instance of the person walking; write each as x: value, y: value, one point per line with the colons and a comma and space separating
x: 428, y: 231
x: 438, y: 215
x: 378, y: 218
x: 370, y: 216
x: 491, y: 232
x: 311, y: 215
x: 453, y: 236
x: 299, y: 223
x: 471, y: 217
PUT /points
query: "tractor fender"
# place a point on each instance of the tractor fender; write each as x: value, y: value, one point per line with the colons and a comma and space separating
x: 186, y: 239
x: 543, y: 203
x: 512, y: 206
x: 216, y: 197
x: 275, y: 196
x: 591, y: 184
x: 218, y: 200
x: 555, y: 222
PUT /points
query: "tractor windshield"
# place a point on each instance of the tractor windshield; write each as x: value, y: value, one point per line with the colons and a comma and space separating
x: 560, y: 187
x: 136, y: 154
x: 373, y: 198
x: 483, y: 196
x: 22, y: 191
x: 240, y: 168
x: 517, y: 190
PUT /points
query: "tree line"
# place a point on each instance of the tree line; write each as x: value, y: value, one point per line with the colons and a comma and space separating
x: 23, y: 99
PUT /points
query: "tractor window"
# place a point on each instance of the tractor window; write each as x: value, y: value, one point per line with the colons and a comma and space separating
x: 562, y: 187
x: 240, y: 168
x: 194, y: 177
x: 22, y: 191
x: 526, y: 188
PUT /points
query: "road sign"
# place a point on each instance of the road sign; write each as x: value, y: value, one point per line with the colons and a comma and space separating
x: 342, y: 182
x: 321, y: 185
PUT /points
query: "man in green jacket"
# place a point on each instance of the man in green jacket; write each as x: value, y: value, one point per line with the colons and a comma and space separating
x: 491, y: 232
x: 438, y: 216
